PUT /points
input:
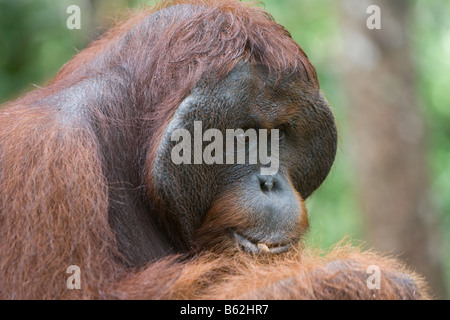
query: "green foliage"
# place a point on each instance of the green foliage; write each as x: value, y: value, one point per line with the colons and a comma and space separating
x: 431, y: 40
x: 34, y: 44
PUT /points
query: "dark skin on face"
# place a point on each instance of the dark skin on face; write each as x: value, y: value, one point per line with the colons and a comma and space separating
x: 266, y: 209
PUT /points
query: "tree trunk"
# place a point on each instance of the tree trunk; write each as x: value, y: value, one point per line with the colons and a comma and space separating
x: 388, y: 138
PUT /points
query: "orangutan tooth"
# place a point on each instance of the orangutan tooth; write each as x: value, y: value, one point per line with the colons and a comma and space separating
x: 263, y: 247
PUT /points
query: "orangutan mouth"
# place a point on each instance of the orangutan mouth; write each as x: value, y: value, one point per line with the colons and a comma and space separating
x: 258, y: 248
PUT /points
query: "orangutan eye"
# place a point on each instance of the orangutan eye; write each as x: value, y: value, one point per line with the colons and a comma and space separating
x: 280, y: 133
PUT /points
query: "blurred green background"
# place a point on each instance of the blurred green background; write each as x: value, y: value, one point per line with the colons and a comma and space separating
x: 35, y: 43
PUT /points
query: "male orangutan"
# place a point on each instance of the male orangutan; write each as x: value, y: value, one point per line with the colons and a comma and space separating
x: 87, y: 176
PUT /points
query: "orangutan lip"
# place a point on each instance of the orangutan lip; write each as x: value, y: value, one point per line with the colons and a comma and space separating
x: 251, y: 247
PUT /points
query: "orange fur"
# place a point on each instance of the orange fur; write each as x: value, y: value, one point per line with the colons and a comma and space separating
x: 300, y: 274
